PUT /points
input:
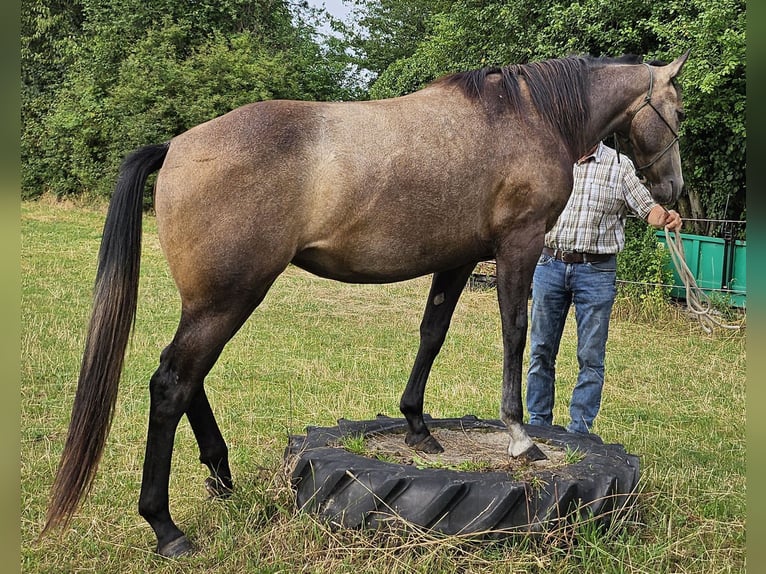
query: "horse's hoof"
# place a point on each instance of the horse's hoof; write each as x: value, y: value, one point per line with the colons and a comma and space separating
x: 428, y: 445
x: 216, y: 488
x: 532, y: 454
x: 176, y: 548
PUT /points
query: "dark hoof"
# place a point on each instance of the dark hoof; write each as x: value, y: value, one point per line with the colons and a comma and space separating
x: 216, y: 488
x: 428, y: 445
x: 177, y: 548
x: 532, y: 454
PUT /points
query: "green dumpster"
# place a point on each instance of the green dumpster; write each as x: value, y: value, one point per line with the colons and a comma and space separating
x: 718, y: 266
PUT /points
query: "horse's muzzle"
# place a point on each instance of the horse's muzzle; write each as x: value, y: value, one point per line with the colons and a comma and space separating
x: 667, y: 192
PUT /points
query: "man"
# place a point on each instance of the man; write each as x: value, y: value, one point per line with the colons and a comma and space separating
x: 578, y: 266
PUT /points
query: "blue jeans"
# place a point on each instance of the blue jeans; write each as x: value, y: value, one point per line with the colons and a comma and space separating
x: 556, y: 286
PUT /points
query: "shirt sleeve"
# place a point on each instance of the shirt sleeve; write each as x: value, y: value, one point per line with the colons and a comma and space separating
x: 637, y: 197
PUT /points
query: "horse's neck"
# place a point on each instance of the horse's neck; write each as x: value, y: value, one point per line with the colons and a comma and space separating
x: 614, y: 91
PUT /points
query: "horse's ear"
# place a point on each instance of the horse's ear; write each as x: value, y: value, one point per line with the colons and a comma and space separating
x: 674, y: 68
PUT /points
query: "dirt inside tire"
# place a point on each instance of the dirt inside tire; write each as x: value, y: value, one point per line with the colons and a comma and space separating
x: 480, y: 450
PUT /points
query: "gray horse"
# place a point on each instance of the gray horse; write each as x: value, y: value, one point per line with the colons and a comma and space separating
x: 476, y: 166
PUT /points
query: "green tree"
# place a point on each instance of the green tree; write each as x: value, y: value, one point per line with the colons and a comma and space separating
x: 134, y: 72
x: 48, y: 32
x: 472, y: 34
x: 714, y: 133
x: 380, y: 32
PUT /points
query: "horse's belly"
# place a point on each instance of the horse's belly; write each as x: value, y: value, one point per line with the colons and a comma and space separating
x: 383, y: 264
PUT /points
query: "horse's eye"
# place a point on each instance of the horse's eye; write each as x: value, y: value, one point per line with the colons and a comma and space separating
x: 681, y: 115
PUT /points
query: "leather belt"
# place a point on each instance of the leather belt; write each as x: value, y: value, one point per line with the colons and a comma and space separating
x: 576, y: 256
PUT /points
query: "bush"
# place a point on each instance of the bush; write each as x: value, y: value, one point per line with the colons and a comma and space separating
x: 643, y: 273
x: 140, y: 74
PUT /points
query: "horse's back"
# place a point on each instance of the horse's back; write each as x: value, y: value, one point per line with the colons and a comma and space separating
x: 357, y: 191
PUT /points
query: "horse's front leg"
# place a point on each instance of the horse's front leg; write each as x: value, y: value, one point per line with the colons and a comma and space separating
x: 515, y: 267
x: 446, y: 288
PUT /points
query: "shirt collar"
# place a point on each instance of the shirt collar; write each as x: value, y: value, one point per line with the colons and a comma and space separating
x: 595, y: 155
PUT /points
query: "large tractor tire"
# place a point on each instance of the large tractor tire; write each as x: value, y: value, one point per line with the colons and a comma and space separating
x: 361, y: 491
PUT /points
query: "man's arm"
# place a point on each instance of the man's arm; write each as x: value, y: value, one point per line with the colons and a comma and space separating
x: 639, y: 200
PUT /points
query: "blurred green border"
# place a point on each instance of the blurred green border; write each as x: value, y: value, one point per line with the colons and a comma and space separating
x: 10, y: 286
x: 756, y: 337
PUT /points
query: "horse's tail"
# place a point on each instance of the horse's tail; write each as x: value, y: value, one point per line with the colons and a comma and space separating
x: 113, y: 316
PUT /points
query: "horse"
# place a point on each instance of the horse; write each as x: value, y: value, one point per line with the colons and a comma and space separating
x: 475, y: 166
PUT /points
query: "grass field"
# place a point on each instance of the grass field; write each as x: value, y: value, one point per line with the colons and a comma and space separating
x: 316, y: 351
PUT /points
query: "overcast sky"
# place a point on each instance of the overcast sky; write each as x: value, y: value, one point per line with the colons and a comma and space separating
x: 335, y: 7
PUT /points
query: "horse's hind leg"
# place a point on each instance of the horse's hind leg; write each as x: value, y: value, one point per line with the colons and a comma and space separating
x: 175, y: 389
x: 446, y: 288
x: 213, y: 451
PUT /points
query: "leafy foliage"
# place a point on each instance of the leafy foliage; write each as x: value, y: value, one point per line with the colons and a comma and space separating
x: 385, y: 31
x: 127, y: 73
x: 643, y: 266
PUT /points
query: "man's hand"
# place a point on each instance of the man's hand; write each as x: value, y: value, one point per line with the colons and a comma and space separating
x: 660, y: 218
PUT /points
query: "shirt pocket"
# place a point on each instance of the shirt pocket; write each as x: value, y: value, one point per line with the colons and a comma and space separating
x: 603, y: 199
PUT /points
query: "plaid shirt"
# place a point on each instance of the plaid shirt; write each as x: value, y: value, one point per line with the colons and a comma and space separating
x: 604, y: 190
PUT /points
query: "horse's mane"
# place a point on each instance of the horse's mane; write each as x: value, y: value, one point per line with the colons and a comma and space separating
x: 558, y: 89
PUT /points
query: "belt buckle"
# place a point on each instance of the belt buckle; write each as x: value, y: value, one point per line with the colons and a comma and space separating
x: 567, y: 256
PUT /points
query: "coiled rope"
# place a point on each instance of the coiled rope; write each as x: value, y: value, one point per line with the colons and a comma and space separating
x: 697, y: 301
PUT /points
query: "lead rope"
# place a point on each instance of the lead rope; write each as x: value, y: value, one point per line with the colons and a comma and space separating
x: 696, y: 299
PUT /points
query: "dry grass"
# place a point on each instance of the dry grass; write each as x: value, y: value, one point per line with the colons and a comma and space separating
x: 318, y: 350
